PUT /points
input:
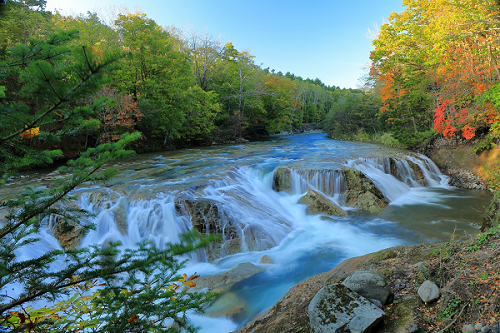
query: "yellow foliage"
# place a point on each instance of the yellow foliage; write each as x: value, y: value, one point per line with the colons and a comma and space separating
x: 29, y: 133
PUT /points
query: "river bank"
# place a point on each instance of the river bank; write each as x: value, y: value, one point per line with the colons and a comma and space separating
x: 466, y: 272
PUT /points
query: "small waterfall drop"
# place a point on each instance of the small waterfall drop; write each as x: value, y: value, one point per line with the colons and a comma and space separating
x: 396, y: 176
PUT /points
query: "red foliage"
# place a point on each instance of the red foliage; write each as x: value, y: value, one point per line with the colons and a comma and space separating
x: 468, y: 132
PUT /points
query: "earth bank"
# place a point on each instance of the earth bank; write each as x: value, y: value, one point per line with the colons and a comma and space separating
x: 466, y: 272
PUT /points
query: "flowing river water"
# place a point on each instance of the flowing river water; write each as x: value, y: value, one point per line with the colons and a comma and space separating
x: 143, y: 202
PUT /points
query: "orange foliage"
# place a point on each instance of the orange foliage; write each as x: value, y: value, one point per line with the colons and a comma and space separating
x: 119, y: 117
x: 30, y: 133
x: 451, y: 46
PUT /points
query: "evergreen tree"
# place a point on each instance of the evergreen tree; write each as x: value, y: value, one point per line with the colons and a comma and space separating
x: 40, y: 94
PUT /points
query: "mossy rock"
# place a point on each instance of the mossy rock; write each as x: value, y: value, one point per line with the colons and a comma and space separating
x: 317, y: 203
x: 362, y: 192
x: 282, y: 180
x: 403, y: 316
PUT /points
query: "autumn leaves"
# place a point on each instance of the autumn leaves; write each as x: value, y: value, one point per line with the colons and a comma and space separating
x: 437, y: 61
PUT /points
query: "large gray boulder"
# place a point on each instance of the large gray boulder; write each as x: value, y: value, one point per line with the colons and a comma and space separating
x: 337, y: 309
x: 317, y: 203
x: 369, y: 285
x: 428, y: 292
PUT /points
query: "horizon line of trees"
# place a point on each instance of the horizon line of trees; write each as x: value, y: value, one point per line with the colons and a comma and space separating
x: 176, y: 88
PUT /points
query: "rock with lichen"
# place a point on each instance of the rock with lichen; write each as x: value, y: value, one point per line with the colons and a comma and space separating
x: 336, y: 308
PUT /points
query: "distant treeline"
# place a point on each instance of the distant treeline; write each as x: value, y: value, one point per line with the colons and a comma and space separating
x: 177, y: 88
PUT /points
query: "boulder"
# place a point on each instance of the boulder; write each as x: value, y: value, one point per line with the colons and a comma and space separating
x: 468, y: 329
x: 317, y: 203
x: 428, y: 292
x: 362, y: 193
x: 369, y: 285
x: 120, y: 217
x: 336, y: 308
x: 102, y: 199
x: 418, y: 173
x: 68, y: 233
x: 206, y: 217
x: 220, y: 282
x: 282, y: 179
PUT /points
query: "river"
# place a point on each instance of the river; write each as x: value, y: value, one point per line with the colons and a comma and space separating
x: 239, y: 180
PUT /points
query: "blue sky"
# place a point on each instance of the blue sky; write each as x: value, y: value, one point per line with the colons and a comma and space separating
x: 323, y: 39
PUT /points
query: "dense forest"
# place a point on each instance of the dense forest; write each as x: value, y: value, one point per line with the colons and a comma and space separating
x: 176, y: 88
x: 435, y: 67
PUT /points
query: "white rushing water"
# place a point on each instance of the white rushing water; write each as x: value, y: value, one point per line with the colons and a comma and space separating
x: 271, y: 223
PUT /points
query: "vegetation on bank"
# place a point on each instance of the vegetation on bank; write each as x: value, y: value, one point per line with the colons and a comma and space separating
x: 177, y: 88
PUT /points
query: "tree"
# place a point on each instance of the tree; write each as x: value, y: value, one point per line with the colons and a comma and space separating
x: 434, y: 60
x: 241, y: 89
x: 119, y: 115
x: 20, y: 21
x: 280, y: 103
x: 46, y: 91
x: 205, y: 52
x: 358, y: 112
x: 92, y: 31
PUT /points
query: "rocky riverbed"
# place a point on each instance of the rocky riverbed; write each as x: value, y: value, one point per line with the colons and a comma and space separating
x: 465, y: 271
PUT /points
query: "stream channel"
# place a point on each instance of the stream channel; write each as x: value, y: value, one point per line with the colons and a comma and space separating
x: 145, y: 202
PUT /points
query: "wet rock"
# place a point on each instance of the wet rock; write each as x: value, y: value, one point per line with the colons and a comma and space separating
x: 369, y: 285
x: 266, y: 260
x: 209, y: 219
x: 68, y: 233
x: 227, y: 305
x: 478, y: 326
x: 102, y: 200
x: 317, y: 203
x: 282, y: 180
x: 428, y: 292
x: 485, y: 329
x: 223, y: 248
x: 220, y: 282
x: 468, y: 329
x: 120, y: 217
x: 335, y: 308
x: 362, y: 193
x: 418, y: 173
x: 377, y: 303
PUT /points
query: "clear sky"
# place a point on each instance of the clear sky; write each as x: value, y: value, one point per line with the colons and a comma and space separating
x: 325, y: 39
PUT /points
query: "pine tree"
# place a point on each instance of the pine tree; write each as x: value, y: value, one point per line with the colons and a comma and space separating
x: 42, y: 85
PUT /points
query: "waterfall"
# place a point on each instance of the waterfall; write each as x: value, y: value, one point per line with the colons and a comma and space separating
x: 396, y: 176
x: 330, y: 182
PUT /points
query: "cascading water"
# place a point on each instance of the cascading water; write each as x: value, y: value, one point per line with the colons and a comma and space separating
x: 395, y: 176
x: 229, y: 190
